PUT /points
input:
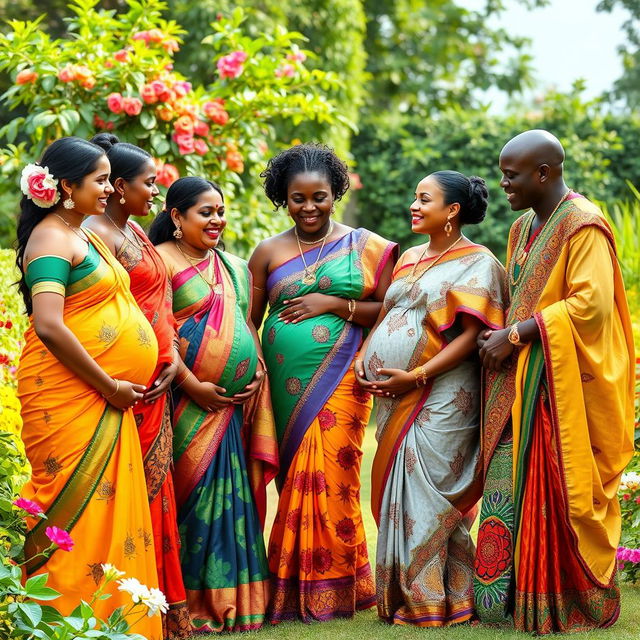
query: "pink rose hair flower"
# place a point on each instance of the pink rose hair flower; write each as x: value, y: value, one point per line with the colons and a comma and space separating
x: 31, y: 507
x: 230, y: 66
x: 59, y: 537
x: 39, y: 186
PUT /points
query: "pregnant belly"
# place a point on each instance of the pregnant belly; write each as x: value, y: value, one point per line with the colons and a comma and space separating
x: 394, y: 343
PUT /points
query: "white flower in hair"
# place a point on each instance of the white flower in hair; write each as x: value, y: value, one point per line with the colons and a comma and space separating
x: 39, y: 186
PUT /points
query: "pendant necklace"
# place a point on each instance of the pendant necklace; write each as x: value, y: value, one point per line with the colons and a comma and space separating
x: 210, y: 280
x: 309, y: 276
x: 412, y: 278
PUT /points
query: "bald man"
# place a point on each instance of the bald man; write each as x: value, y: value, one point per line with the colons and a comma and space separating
x: 558, y: 415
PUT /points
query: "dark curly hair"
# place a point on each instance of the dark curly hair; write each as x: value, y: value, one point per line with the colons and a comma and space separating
x: 304, y: 158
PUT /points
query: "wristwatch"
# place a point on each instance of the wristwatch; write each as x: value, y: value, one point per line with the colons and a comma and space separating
x: 514, y: 336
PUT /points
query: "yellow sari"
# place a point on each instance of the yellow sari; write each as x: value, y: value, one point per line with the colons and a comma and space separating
x: 87, y: 469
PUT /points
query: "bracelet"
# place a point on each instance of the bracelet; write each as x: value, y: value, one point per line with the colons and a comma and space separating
x: 352, y: 309
x: 115, y: 392
x: 421, y: 375
x: 179, y: 384
x: 514, y: 336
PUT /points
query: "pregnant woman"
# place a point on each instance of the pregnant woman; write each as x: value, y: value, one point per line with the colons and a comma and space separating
x: 420, y: 362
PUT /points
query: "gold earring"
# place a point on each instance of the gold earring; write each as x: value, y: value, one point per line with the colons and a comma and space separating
x: 68, y: 203
x: 177, y: 234
x: 448, y: 228
x: 122, y: 200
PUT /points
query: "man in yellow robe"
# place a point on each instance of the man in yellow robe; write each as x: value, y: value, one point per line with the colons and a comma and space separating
x: 558, y: 416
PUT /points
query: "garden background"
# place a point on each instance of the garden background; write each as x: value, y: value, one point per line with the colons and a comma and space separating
x: 216, y: 87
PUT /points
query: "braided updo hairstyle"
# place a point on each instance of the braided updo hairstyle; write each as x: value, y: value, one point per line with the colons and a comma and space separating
x: 303, y: 158
x: 470, y: 193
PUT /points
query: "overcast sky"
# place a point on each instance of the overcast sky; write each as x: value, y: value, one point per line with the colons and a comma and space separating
x: 570, y: 40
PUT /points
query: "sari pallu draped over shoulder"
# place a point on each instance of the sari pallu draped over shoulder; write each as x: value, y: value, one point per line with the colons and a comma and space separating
x: 317, y: 552
x: 151, y: 289
x: 224, y: 458
x: 558, y: 432
x: 87, y: 470
x: 425, y: 477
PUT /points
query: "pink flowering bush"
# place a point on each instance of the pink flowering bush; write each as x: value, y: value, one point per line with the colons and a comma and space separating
x: 629, y: 550
x: 116, y: 73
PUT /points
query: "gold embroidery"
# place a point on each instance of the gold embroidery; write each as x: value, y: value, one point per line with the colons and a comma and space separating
x: 457, y: 465
x: 107, y: 333
x: 143, y: 337
x: 96, y: 572
x: 129, y: 547
x: 52, y: 466
x: 106, y: 490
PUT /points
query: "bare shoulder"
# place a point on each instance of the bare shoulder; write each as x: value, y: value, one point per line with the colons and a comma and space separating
x: 49, y: 239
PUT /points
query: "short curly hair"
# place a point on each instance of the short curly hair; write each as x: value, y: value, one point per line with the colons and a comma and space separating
x: 302, y: 158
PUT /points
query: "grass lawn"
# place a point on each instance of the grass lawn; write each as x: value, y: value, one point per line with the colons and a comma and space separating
x: 366, y: 624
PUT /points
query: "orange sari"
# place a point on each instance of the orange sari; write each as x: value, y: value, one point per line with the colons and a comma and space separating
x: 87, y: 471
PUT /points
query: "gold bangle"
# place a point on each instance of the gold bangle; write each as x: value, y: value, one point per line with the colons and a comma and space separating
x: 421, y: 375
x: 183, y: 379
x: 352, y: 309
x: 115, y: 392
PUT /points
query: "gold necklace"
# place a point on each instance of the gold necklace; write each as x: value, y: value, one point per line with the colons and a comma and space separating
x: 75, y: 230
x: 412, y: 278
x: 295, y: 230
x: 309, y: 276
x: 522, y: 255
x: 136, y: 242
x: 215, y: 286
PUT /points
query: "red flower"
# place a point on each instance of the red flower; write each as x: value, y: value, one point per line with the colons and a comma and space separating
x: 122, y: 55
x: 637, y: 499
x: 360, y: 394
x: 132, y: 106
x: 293, y: 519
x: 626, y: 496
x: 494, y: 549
x: 346, y: 530
x: 322, y: 559
x: 4, y: 358
x: 67, y: 74
x: 215, y: 111
x: 60, y: 538
x: 8, y: 324
x: 348, y: 457
x: 115, y: 102
x: 26, y: 76
x: 327, y: 419
x: 185, y: 142
x: 306, y: 560
x: 148, y: 94
x: 200, y: 128
x: 320, y: 482
x: 162, y: 91
x: 234, y: 161
x: 183, y: 126
x: 300, y: 480
x: 166, y: 174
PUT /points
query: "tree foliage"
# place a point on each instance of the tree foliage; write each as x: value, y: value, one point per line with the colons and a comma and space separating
x: 114, y: 70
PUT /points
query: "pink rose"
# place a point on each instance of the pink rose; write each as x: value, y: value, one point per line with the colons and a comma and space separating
x: 285, y: 70
x: 185, y: 142
x: 162, y: 91
x: 167, y: 174
x: 141, y: 35
x: 31, y: 507
x: 60, y: 538
x: 201, y: 128
x: 67, y: 74
x: 148, y: 94
x: 171, y: 45
x: 230, y: 66
x: 38, y: 188
x: 201, y: 147
x: 184, y: 125
x: 298, y: 56
x: 132, y: 106
x: 182, y: 88
x: 216, y: 112
x: 115, y: 102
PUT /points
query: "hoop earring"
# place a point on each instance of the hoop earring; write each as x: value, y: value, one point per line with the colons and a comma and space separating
x: 177, y: 234
x: 122, y: 200
x: 448, y: 228
x: 69, y: 203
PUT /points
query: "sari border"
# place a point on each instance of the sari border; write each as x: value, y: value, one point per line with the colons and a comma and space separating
x: 544, y: 339
x: 92, y: 465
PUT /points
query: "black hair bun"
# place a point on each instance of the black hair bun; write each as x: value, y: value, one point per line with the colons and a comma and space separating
x: 475, y: 212
x: 105, y: 140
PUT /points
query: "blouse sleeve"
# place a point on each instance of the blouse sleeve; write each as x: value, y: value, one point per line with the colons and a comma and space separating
x: 48, y: 274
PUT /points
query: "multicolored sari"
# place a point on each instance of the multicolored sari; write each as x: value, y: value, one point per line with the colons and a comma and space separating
x: 425, y: 477
x: 224, y: 458
x: 558, y: 432
x: 87, y: 470
x: 151, y: 288
x: 317, y: 551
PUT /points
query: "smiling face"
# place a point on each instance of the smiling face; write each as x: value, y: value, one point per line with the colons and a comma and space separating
x: 91, y: 195
x: 429, y: 213
x: 520, y: 180
x: 309, y: 201
x: 203, y: 223
x: 140, y: 192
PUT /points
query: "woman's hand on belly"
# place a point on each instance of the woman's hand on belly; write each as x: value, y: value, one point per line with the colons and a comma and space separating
x: 398, y: 383
x: 250, y: 390
x: 161, y: 384
x: 208, y: 396
x: 309, y: 306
